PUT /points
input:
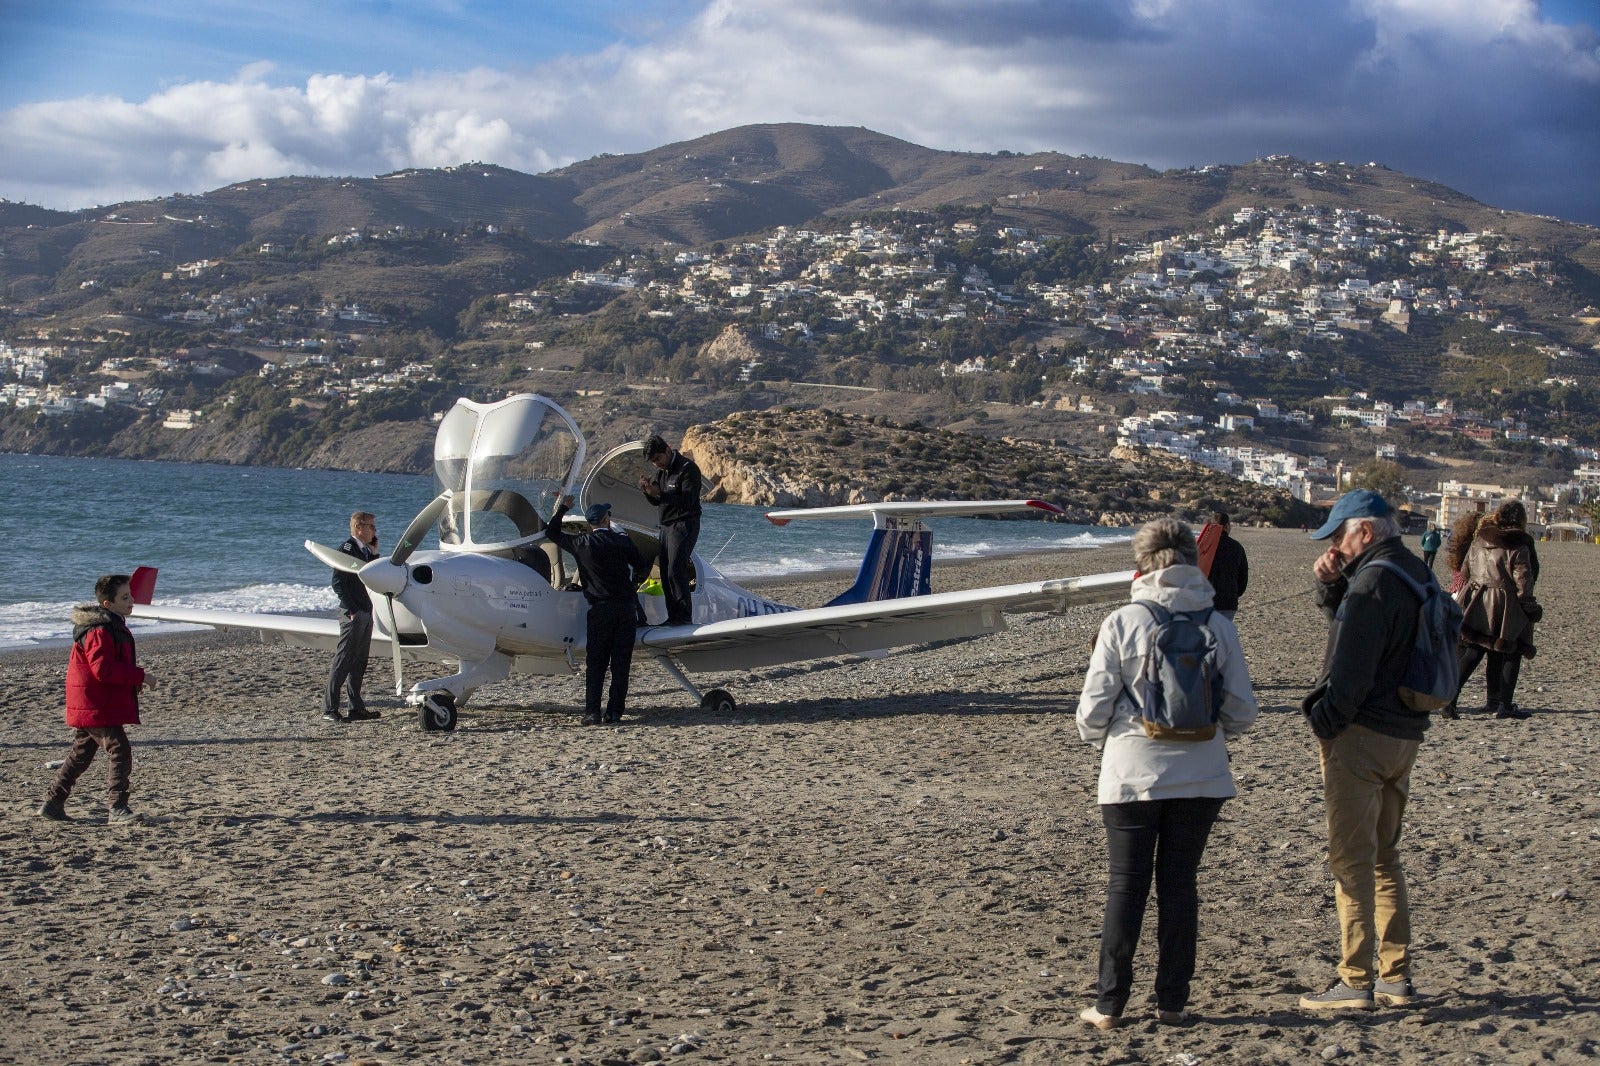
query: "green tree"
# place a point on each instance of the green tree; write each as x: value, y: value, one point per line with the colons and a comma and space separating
x: 1385, y: 478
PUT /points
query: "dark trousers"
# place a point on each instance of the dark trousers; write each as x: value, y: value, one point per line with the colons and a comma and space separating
x: 677, y: 545
x: 1428, y: 557
x: 611, y: 631
x: 1499, y: 677
x: 85, y: 742
x: 350, y: 660
x: 1165, y: 838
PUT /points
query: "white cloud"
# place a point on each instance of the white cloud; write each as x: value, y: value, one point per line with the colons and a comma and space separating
x: 1480, y: 94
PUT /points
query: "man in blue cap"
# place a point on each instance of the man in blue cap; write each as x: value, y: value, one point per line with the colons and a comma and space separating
x: 611, y: 567
x: 1368, y: 741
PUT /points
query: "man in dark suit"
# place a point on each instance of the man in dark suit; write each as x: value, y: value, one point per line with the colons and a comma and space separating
x: 612, y: 567
x: 355, y: 624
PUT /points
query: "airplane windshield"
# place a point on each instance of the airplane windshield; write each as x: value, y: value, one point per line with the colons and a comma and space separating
x: 504, y: 464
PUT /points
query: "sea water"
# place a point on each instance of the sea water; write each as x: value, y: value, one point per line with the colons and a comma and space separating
x: 232, y: 538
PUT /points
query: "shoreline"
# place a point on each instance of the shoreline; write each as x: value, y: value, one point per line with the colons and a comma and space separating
x: 40, y: 650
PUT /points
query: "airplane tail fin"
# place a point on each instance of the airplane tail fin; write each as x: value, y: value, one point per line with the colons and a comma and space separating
x: 899, y: 559
x: 142, y: 585
x: 899, y: 562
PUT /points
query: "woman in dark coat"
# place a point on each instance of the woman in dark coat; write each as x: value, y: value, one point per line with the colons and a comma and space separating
x: 1498, y: 602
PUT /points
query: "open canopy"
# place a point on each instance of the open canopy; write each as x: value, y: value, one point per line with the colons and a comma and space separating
x: 504, y: 464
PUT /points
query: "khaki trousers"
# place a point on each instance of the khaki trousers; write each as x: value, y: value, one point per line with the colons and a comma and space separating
x: 1366, y: 779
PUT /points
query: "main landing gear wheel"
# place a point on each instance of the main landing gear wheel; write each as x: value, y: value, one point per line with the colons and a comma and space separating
x: 437, y: 713
x: 718, y: 701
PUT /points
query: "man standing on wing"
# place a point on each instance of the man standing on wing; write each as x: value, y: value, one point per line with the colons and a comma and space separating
x: 676, y: 490
x: 1368, y: 741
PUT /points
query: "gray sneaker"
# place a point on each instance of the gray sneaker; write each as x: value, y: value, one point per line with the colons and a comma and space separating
x: 1394, y: 993
x: 55, y: 811
x: 1339, y: 996
x: 122, y: 814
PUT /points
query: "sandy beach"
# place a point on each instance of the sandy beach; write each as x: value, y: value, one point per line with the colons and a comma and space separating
x: 897, y: 859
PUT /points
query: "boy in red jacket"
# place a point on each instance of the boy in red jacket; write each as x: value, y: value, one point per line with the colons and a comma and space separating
x: 103, y: 683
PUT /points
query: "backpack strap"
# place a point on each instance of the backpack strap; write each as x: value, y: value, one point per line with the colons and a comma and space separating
x: 1158, y: 612
x: 1418, y: 589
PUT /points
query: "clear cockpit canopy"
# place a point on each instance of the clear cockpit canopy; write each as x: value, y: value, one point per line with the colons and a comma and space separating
x: 505, y: 465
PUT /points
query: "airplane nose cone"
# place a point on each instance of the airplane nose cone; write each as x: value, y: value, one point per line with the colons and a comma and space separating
x: 384, y: 577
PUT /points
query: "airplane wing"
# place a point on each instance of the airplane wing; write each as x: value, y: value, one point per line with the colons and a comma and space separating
x: 861, y: 628
x: 303, y: 630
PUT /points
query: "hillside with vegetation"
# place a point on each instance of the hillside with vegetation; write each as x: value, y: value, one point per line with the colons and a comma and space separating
x: 1066, y: 300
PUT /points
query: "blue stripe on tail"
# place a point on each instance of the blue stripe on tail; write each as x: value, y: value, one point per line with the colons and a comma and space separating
x: 898, y: 563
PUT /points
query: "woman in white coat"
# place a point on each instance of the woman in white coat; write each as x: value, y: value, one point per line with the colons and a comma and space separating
x: 1158, y: 798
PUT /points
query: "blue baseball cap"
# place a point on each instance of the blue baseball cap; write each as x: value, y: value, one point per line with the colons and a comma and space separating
x: 596, y: 513
x: 1357, y: 503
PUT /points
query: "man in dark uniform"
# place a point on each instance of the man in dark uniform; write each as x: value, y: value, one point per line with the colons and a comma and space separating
x: 676, y: 490
x: 1230, y: 569
x: 612, y: 568
x: 355, y: 624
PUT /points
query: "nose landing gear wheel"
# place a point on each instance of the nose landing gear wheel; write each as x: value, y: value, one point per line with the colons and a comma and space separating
x: 437, y: 713
x: 718, y: 701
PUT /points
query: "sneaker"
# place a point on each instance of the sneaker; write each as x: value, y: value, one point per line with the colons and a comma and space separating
x: 122, y: 814
x: 1174, y: 1017
x: 1093, y: 1016
x: 1511, y: 710
x: 611, y: 719
x: 55, y: 811
x: 589, y: 719
x: 1339, y: 996
x: 333, y: 716
x: 1394, y: 993
x: 364, y: 714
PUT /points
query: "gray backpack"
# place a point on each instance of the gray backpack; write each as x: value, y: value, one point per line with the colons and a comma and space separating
x: 1179, y: 688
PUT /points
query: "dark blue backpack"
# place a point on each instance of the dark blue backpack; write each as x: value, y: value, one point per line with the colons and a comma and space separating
x: 1432, y: 675
x: 1179, y: 688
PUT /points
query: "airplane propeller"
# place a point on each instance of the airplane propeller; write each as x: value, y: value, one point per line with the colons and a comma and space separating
x: 387, y: 577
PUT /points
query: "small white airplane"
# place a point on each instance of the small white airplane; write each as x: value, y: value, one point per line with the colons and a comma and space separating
x: 497, y: 596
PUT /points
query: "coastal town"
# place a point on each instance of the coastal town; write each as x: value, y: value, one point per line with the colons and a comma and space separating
x: 1222, y: 345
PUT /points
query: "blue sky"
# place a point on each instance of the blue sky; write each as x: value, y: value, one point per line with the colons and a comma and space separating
x: 110, y: 100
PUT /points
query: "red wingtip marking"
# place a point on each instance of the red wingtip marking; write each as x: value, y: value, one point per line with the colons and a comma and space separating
x: 143, y: 584
x: 1043, y: 506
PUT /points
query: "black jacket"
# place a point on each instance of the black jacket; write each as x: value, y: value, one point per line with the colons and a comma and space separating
x: 1372, y: 625
x: 348, y: 587
x: 611, y: 564
x: 677, y: 490
x: 1230, y: 574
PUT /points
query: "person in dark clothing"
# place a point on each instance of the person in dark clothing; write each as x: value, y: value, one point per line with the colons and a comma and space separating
x: 612, y: 568
x: 1368, y: 743
x: 1431, y: 540
x: 1499, y: 607
x: 349, y: 667
x: 1230, y: 569
x: 103, y: 684
x: 676, y: 490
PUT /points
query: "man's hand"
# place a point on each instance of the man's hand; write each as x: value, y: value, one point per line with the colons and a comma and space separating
x: 565, y: 500
x: 644, y: 484
x: 1328, y: 565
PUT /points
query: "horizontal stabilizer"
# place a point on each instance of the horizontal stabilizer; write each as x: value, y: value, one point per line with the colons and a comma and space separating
x: 913, y: 509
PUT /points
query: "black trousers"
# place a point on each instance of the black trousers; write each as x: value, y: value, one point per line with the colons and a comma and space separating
x: 677, y: 545
x: 349, y: 667
x: 1499, y: 677
x: 611, y: 628
x: 85, y: 742
x: 1164, y: 838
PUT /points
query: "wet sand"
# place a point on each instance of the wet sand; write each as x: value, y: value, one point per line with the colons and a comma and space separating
x: 896, y: 859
